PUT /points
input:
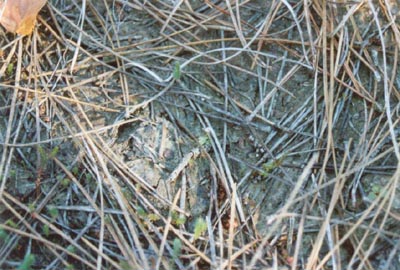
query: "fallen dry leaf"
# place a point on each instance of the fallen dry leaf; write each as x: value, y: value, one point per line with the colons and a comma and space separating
x: 19, y: 16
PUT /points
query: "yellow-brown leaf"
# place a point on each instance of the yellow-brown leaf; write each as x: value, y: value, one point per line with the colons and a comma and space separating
x: 19, y: 16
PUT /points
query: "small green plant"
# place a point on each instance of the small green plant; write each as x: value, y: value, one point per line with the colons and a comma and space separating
x: 88, y: 176
x: 46, y: 155
x: 177, y: 219
x: 204, y: 141
x: 71, y: 249
x: 10, y: 69
x: 31, y: 207
x: 54, y: 152
x: 107, y: 219
x: 46, y: 230
x: 75, y: 170
x: 11, y: 223
x: 140, y: 211
x: 27, y: 263
x: 124, y: 265
x: 70, y: 267
x: 3, y: 234
x: 271, y: 165
x: 177, y: 248
x: 53, y: 212
x: 374, y: 192
x: 199, y: 228
x: 13, y: 173
x: 65, y: 182
x: 127, y: 194
x: 153, y: 217
x: 177, y: 71
x: 43, y: 156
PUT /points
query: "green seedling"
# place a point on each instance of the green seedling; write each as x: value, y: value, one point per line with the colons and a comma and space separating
x: 10, y: 69
x: 71, y: 249
x: 177, y: 219
x: 140, y: 211
x: 199, y: 228
x: 88, y: 176
x: 65, y: 182
x: 11, y: 223
x: 374, y: 192
x: 153, y: 217
x: 3, y: 234
x: 43, y: 156
x: 143, y: 214
x: 124, y: 265
x: 127, y: 194
x: 204, y: 141
x: 70, y: 267
x: 31, y: 207
x: 27, y: 263
x: 75, y: 170
x: 13, y: 174
x: 177, y: 71
x: 53, y: 212
x: 271, y: 165
x: 177, y: 248
x: 54, y: 152
x: 46, y: 230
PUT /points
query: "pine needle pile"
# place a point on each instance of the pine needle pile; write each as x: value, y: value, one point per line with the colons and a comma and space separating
x: 155, y: 134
